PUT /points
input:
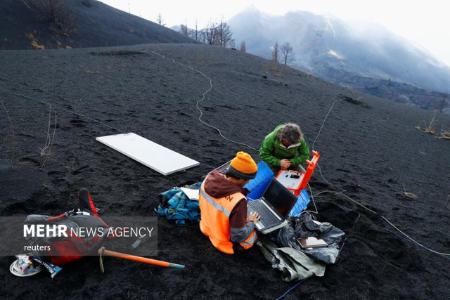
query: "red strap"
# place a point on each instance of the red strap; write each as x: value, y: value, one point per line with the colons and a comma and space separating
x: 92, y: 205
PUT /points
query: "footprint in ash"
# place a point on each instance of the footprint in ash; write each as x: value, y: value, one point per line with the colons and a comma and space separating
x: 78, y: 123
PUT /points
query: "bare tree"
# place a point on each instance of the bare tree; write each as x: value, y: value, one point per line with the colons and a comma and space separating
x: 202, y: 36
x: 243, y: 47
x: 431, y: 126
x: 218, y: 34
x: 196, y: 31
x: 210, y: 34
x: 184, y: 30
x: 275, y: 53
x: 160, y: 20
x: 287, y: 52
x: 225, y: 35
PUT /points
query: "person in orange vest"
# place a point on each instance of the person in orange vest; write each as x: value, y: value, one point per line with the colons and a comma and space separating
x: 223, y: 206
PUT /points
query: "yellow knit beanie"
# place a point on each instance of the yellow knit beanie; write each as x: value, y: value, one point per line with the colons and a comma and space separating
x: 243, y: 165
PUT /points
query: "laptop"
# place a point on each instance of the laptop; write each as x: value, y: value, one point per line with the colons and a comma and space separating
x: 273, y: 207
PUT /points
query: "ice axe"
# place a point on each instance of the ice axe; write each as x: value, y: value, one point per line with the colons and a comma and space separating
x: 104, y: 252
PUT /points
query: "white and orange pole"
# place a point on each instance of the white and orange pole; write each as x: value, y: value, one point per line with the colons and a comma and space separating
x: 160, y: 263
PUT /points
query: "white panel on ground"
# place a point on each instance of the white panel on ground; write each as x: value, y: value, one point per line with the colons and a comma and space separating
x: 148, y: 153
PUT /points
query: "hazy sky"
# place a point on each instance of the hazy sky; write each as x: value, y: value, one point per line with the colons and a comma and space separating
x: 426, y: 23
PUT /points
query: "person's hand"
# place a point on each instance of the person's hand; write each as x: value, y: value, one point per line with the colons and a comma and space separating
x: 285, y: 164
x: 253, y: 217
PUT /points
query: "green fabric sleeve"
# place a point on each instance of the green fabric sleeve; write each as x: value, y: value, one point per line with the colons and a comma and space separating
x: 302, y: 154
x: 266, y: 150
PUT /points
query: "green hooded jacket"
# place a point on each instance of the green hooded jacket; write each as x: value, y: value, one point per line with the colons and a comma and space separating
x: 272, y: 151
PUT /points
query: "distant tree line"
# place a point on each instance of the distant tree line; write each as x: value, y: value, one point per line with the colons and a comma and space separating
x: 216, y: 33
x: 219, y: 34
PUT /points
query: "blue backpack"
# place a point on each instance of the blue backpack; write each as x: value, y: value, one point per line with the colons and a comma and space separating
x: 175, y: 205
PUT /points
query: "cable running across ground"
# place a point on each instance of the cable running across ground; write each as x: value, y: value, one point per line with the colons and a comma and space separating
x: 362, y: 205
x: 200, y: 100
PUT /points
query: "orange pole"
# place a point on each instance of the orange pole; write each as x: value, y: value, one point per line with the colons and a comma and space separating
x: 102, y: 251
x: 310, y: 169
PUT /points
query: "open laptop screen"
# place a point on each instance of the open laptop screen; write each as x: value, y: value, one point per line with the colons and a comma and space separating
x: 280, y: 198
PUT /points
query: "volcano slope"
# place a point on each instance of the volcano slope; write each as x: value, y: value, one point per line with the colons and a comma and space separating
x: 87, y: 23
x: 370, y: 151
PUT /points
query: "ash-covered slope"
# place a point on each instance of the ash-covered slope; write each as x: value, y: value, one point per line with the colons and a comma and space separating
x: 76, y: 23
x: 370, y: 150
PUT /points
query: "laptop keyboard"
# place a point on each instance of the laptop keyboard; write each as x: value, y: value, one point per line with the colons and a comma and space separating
x: 268, y: 218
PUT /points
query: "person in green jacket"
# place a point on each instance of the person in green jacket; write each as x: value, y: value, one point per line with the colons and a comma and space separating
x: 285, y: 148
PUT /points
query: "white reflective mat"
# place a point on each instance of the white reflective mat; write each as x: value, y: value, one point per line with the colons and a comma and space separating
x: 148, y: 153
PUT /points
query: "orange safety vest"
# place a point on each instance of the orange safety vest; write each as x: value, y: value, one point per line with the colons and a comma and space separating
x: 215, y: 220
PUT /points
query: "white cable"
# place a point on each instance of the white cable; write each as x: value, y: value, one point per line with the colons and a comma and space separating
x: 50, y: 138
x: 358, y: 203
x: 413, y: 240
x: 72, y: 111
x: 324, y: 120
x: 388, y: 222
x: 354, y: 201
x: 220, y: 133
x: 314, y: 201
x: 44, y: 149
x: 197, y: 105
x: 321, y: 175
